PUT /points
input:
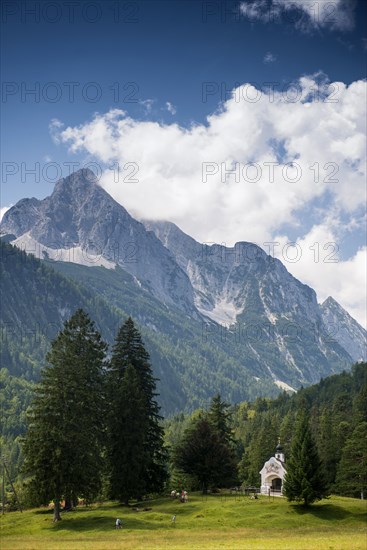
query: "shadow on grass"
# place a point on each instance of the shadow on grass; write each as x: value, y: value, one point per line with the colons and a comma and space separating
x: 142, y: 520
x: 105, y: 524
x: 79, y: 509
x: 329, y: 512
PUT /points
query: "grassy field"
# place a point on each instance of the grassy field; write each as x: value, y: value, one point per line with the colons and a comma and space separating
x: 207, y: 523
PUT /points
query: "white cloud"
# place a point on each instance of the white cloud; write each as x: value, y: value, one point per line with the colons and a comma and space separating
x: 322, y: 134
x: 256, y: 9
x: 147, y: 104
x: 55, y: 127
x: 336, y: 15
x: 304, y: 14
x: 269, y: 58
x: 320, y: 266
x: 171, y: 108
x: 4, y: 209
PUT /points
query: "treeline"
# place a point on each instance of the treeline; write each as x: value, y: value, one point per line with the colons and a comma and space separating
x: 336, y: 408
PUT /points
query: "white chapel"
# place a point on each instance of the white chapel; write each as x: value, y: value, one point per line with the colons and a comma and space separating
x: 273, y: 472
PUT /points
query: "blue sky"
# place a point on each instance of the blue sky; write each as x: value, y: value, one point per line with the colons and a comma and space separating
x: 164, y: 51
x: 174, y: 64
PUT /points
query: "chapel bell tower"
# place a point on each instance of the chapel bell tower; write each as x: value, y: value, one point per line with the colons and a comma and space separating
x: 279, y: 455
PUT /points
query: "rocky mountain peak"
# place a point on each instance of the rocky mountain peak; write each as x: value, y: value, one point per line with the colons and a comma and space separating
x: 80, y: 222
x: 344, y: 329
x: 330, y: 302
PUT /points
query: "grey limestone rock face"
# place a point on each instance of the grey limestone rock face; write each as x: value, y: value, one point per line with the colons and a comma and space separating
x: 341, y: 326
x: 81, y: 215
x: 275, y: 314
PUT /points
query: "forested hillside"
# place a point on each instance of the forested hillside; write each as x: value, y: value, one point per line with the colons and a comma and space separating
x: 338, y: 414
x: 191, y: 359
x: 35, y: 301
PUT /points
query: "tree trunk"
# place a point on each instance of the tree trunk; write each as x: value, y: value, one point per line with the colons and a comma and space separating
x: 57, y: 516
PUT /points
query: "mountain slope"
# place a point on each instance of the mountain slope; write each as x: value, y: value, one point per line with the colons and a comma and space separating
x: 222, y: 319
x: 81, y: 223
x: 189, y: 357
x: 224, y: 279
x: 38, y: 296
x: 344, y: 329
x: 35, y: 301
x: 266, y: 306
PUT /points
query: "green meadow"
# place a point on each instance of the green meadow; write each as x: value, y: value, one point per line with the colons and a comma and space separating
x: 205, y: 522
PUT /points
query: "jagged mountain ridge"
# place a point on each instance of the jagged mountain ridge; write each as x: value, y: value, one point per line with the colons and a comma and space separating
x: 223, y: 277
x: 350, y: 334
x: 246, y: 286
x: 82, y: 223
x: 277, y: 331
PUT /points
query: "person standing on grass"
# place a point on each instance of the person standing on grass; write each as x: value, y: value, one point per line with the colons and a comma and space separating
x: 118, y: 524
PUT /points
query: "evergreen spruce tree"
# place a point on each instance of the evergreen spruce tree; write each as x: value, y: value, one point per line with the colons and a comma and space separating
x: 351, y: 477
x: 63, y: 445
x: 220, y: 418
x: 265, y: 432
x: 359, y: 387
x: 329, y: 443
x: 128, y: 439
x: 129, y: 351
x: 304, y: 481
x: 203, y: 454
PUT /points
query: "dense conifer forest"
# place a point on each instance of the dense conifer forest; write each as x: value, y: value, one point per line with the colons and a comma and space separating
x: 337, y: 410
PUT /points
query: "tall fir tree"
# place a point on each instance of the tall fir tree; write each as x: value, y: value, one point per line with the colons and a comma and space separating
x: 305, y: 479
x: 359, y: 380
x: 220, y: 417
x: 261, y: 446
x: 64, y: 443
x: 203, y: 454
x: 351, y: 477
x: 129, y: 351
x: 327, y: 443
x: 128, y: 437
